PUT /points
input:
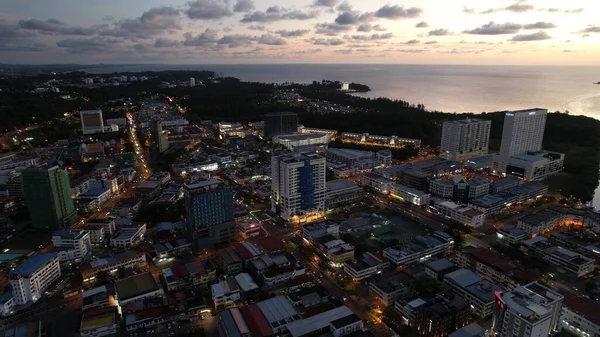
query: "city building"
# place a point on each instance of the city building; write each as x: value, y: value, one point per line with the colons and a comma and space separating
x: 336, y: 251
x: 100, y: 322
x: 332, y: 133
x: 409, y: 194
x: 126, y: 260
x: 384, y: 158
x: 366, y: 266
x: 295, y: 140
x: 192, y: 82
x: 96, y: 233
x: 379, y: 184
x: 471, y: 330
x: 459, y: 189
x: 280, y: 123
x: 388, y: 141
x: 128, y: 237
x: 231, y: 323
x: 298, y: 187
x: 341, y: 192
x: 47, y: 194
x: 345, y: 87
x: 335, y: 322
x: 480, y: 294
x: 389, y: 288
x: 191, y: 274
x: 434, y: 317
x: 539, y: 222
x: 580, y: 317
x: 247, y: 230
x: 229, y: 261
x: 159, y: 141
x: 536, y: 165
x: 209, y: 213
x: 311, y: 232
x: 461, y: 213
x: 91, y: 121
x: 511, y: 235
x: 98, y: 297
x: 420, y: 249
x: 32, y: 277
x: 279, y: 313
x: 439, y: 268
x: 72, y: 244
x: 137, y: 288
x: 528, y: 311
x: 569, y: 260
x: 226, y: 293
x: 464, y: 139
x: 7, y: 304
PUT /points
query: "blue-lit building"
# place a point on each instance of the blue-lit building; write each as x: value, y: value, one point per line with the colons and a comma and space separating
x: 209, y: 213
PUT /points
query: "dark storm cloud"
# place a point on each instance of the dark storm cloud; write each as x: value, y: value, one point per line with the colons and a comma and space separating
x: 207, y: 37
x: 208, y: 9
x: 277, y: 13
x: 540, y: 25
x: 397, y: 12
x: 271, y: 40
x: 327, y: 42
x: 422, y: 24
x: 439, y: 32
x: 331, y: 29
x: 243, y: 6
x: 493, y: 28
x: 539, y: 36
x: 14, y: 39
x: 57, y: 27
x: 292, y: 33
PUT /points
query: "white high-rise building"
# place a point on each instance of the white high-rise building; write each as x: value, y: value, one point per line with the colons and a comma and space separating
x: 465, y: 139
x: 32, y: 277
x: 522, y: 133
x: 298, y: 186
x: 88, y: 81
x: 192, y: 82
x: 531, y: 310
x: 345, y: 86
x: 72, y: 244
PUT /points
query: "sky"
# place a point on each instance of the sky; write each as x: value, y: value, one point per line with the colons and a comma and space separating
x: 494, y: 32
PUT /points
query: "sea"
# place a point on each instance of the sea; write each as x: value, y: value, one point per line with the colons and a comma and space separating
x: 447, y: 88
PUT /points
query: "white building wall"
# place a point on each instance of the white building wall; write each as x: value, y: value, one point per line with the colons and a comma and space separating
x: 523, y: 132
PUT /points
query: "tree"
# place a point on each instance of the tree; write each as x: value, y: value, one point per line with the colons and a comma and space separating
x: 427, y: 287
x: 102, y: 276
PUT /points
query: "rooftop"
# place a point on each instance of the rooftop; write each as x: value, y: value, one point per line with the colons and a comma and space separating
x: 471, y: 330
x: 278, y: 311
x: 136, y: 285
x: 484, y: 290
x: 350, y: 153
x: 440, y: 265
x: 317, y: 322
x: 256, y: 321
x: 463, y: 277
x: 345, y: 321
x: 539, y: 218
x: 339, y: 184
x: 33, y: 264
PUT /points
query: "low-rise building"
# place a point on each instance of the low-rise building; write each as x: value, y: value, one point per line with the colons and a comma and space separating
x: 97, y: 298
x: 480, y: 294
x: 100, y: 322
x: 32, y: 277
x: 197, y: 274
x: 571, y: 261
x: 126, y: 260
x: 72, y: 244
x: 580, y: 317
x: 410, y: 195
x: 336, y: 251
x: 96, y: 233
x: 7, y: 304
x: 511, y: 235
x: 279, y: 313
x: 461, y: 213
x: 127, y: 237
x: 226, y: 293
x: 439, y: 268
x: 471, y: 330
x: 377, y: 183
x: 246, y: 230
x: 389, y: 288
x: 435, y: 317
x: 539, y: 222
x: 420, y: 249
x: 535, y: 166
x: 366, y: 266
x: 323, y: 322
x: 137, y: 288
x: 341, y: 192
x: 311, y: 232
x: 229, y: 261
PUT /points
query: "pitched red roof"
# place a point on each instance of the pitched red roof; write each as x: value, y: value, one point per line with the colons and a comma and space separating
x: 256, y: 321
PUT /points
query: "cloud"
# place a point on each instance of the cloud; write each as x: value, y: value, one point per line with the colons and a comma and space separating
x: 397, y: 12
x: 208, y: 9
x: 165, y: 43
x: 271, y: 40
x: 468, y: 10
x: 412, y: 42
x: 567, y: 51
x: 566, y: 11
x: 207, y: 37
x: 519, y: 7
x: 422, y: 24
x: 591, y: 29
x: 235, y: 40
x: 438, y: 32
x: 539, y: 36
x: 365, y: 28
x: 372, y: 37
x: 331, y: 29
x: 495, y: 29
x: 55, y: 26
x: 256, y: 27
x: 152, y: 23
x: 431, y: 42
x: 327, y: 42
x: 344, y: 7
x: 540, y: 25
x: 325, y: 3
x: 89, y: 45
x: 14, y: 39
x: 243, y: 6
x: 352, y: 18
x: 276, y: 13
x: 292, y: 33
x: 108, y: 18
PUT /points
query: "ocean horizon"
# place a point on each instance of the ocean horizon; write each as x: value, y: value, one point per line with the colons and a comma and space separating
x: 446, y: 88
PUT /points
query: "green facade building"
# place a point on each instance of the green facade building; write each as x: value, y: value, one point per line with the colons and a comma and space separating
x: 47, y: 193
